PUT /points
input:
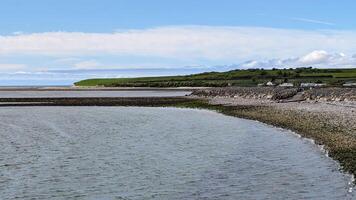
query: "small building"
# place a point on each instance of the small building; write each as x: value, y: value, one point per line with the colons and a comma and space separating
x: 312, y: 85
x: 270, y: 83
x: 286, y: 85
x: 349, y: 84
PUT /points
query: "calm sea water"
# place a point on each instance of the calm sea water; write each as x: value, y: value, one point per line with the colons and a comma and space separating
x: 49, y: 94
x: 157, y: 153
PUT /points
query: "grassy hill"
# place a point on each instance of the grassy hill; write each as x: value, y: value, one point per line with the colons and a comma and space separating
x: 249, y: 77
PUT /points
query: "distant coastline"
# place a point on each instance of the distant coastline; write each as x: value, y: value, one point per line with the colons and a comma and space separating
x: 304, y: 76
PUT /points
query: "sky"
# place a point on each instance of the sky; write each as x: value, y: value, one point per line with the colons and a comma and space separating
x: 50, y: 42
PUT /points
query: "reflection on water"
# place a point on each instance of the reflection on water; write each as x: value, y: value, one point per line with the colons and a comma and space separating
x: 49, y: 94
x: 156, y: 153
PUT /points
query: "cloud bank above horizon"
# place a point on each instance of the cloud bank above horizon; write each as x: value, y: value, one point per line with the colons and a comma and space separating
x: 180, y: 46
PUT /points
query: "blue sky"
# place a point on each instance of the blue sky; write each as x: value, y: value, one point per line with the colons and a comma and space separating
x: 58, y: 42
x: 110, y: 15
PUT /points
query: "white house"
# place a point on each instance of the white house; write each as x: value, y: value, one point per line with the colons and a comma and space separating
x: 312, y: 85
x: 269, y: 83
x: 349, y: 85
x: 286, y: 85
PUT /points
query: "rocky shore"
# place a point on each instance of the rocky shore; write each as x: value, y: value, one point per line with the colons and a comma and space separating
x: 326, y: 115
x: 281, y: 93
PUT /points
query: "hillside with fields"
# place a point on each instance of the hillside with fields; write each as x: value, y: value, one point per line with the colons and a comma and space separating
x: 247, y: 77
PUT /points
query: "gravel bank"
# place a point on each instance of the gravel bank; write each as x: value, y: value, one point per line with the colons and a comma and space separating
x: 273, y: 93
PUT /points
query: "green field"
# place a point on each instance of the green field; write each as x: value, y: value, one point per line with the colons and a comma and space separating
x: 249, y: 77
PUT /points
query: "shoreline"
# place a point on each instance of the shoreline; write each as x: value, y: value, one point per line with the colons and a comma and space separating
x: 336, y: 135
x: 331, y: 124
x: 327, y: 116
x: 83, y: 88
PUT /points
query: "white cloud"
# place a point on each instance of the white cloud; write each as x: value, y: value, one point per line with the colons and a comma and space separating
x: 4, y: 67
x: 66, y: 60
x: 223, y: 44
x: 318, y: 58
x: 313, y: 21
x: 315, y: 57
x: 90, y: 64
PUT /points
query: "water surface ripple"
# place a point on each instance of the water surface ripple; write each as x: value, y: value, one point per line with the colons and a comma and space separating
x: 157, y: 153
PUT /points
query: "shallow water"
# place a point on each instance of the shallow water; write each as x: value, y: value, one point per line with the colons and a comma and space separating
x: 49, y: 94
x: 157, y: 153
